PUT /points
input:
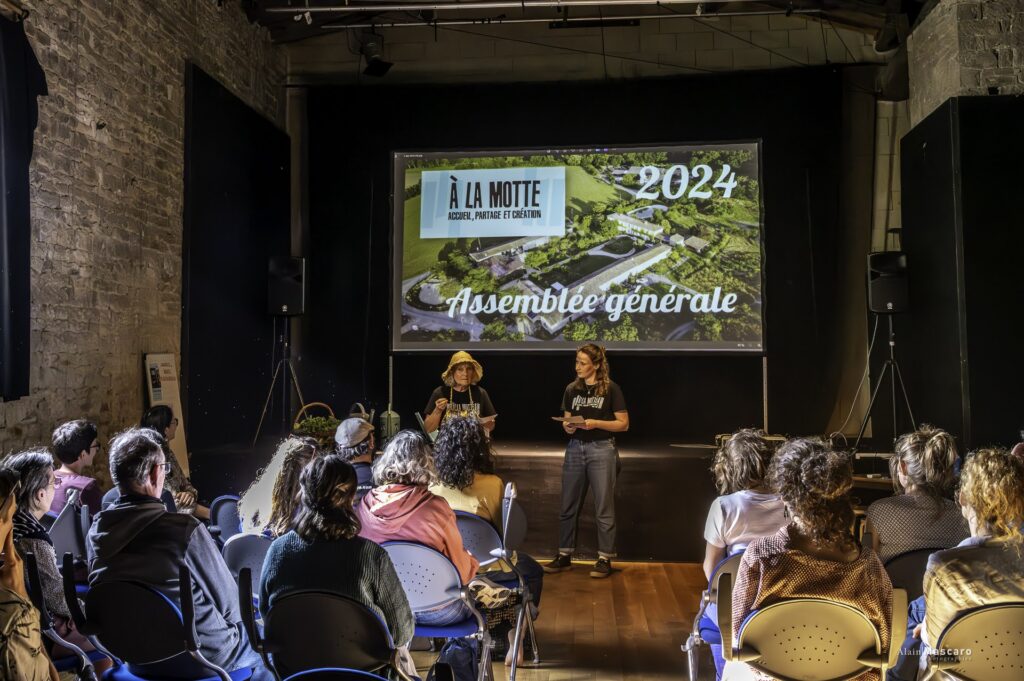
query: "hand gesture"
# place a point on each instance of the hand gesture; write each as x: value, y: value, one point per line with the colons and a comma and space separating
x: 441, y: 405
x: 184, y: 499
x: 588, y: 424
x: 569, y: 427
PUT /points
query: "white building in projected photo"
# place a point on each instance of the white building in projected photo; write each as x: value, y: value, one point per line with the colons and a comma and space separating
x: 599, y: 282
x: 638, y: 228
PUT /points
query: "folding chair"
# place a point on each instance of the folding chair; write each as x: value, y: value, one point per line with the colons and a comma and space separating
x: 69, y: 530
x: 80, y: 661
x: 225, y: 522
x: 705, y: 628
x: 247, y: 551
x: 140, y: 626
x: 982, y: 644
x: 430, y: 580
x: 513, y: 534
x: 906, y: 571
x: 809, y: 639
x: 334, y: 675
x: 316, y: 630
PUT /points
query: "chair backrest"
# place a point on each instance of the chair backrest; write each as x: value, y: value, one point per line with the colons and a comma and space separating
x: 224, y: 516
x: 334, y: 675
x: 428, y: 577
x: 151, y: 629
x: 906, y: 571
x: 513, y: 519
x: 65, y: 533
x: 809, y: 639
x: 994, y: 635
x: 316, y: 629
x: 727, y: 566
x: 478, y: 536
x: 247, y: 551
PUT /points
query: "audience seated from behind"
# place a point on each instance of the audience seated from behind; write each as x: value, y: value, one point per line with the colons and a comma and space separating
x: 923, y: 516
x: 161, y: 419
x: 987, y: 567
x: 402, y: 508
x: 75, y: 444
x: 137, y: 540
x: 34, y: 469
x: 271, y: 504
x: 747, y: 509
x: 464, y: 462
x: 354, y: 443
x: 324, y: 553
x: 113, y: 494
x: 815, y: 555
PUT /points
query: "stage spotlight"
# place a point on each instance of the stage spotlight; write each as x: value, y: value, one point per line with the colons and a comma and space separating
x: 370, y: 46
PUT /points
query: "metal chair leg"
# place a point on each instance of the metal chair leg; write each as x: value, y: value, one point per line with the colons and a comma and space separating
x: 517, y: 642
x: 533, y: 637
x: 692, y: 658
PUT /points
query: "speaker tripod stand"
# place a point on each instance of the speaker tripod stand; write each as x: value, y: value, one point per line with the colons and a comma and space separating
x: 891, y: 367
x: 284, y: 362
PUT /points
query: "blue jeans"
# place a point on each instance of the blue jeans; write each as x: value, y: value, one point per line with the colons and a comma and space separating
x: 906, y: 665
x: 595, y: 465
x: 449, y: 613
x: 533, y: 575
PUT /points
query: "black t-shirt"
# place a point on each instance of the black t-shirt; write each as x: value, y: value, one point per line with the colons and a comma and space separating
x: 473, y: 402
x: 364, y: 478
x: 588, y: 404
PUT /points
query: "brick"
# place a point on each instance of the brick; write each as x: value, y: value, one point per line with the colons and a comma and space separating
x: 715, y: 59
x: 772, y: 39
x: 751, y: 58
x: 696, y: 41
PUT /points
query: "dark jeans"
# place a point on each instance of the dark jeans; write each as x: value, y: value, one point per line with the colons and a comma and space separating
x: 595, y: 465
x: 906, y: 666
x: 533, y: 575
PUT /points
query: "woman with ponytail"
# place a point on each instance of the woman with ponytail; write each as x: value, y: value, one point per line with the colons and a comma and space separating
x: 325, y: 553
x: 923, y: 516
x: 591, y: 457
x: 815, y: 554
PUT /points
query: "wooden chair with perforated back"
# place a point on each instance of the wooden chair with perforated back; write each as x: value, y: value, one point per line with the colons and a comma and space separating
x: 809, y: 639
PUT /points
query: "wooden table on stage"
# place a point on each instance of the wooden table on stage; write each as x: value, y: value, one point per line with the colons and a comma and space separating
x: 872, y: 483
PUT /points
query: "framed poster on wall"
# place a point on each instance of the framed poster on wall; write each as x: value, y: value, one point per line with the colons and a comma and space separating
x: 162, y: 388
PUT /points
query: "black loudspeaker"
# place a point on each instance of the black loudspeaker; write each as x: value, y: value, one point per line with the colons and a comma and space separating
x: 286, y: 290
x: 887, y: 282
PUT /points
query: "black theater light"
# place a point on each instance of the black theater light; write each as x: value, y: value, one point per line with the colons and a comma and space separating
x: 370, y: 46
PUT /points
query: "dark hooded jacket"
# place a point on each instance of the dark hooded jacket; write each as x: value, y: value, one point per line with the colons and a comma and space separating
x: 137, y: 540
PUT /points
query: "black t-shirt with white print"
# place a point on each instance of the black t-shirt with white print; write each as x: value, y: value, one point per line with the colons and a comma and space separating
x: 473, y: 402
x: 587, y: 403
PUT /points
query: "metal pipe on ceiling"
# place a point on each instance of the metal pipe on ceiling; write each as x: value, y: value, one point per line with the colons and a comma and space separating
x: 485, y: 4
x: 569, y: 20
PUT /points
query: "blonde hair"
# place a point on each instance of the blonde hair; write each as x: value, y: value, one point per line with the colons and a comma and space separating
x: 929, y: 455
x: 742, y: 461
x: 272, y: 501
x: 449, y: 378
x: 602, y: 371
x: 992, y: 485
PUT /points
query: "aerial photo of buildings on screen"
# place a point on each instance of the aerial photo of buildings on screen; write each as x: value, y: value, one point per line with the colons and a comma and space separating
x: 662, y: 245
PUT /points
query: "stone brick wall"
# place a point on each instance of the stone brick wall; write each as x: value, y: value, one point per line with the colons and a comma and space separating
x: 966, y: 47
x: 532, y: 52
x: 107, y: 194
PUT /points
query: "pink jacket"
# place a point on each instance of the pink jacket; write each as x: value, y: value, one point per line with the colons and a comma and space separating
x: 412, y: 513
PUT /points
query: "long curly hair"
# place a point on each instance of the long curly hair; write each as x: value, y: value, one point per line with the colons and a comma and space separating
x: 929, y: 455
x: 992, y: 487
x: 272, y: 501
x: 602, y: 370
x: 815, y: 481
x: 462, y: 450
x: 742, y: 461
x: 328, y: 487
x: 406, y: 460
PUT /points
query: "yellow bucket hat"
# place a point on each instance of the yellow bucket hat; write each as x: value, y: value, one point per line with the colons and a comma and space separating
x: 462, y: 357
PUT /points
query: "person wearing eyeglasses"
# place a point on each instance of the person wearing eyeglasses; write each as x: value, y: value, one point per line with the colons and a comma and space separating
x: 162, y: 419
x: 75, y: 444
x: 137, y: 540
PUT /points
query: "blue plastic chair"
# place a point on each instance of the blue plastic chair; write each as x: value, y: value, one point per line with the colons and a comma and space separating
x: 316, y: 630
x: 992, y: 634
x: 69, y: 530
x: 225, y: 522
x: 906, y: 571
x: 153, y: 629
x: 705, y: 629
x: 334, y: 675
x: 80, y: 661
x: 431, y: 580
x: 247, y: 551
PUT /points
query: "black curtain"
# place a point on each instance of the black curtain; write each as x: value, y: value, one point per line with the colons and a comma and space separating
x: 21, y: 81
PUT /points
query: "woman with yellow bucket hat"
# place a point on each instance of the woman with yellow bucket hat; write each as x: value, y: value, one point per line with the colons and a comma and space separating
x: 460, y: 395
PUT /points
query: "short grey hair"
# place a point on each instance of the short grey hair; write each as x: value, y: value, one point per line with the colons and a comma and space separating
x: 407, y: 460
x: 133, y: 453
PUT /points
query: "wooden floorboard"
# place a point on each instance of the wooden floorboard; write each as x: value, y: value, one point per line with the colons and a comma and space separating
x: 625, y: 628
